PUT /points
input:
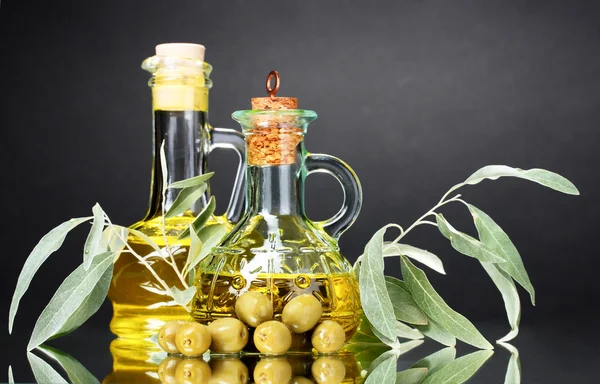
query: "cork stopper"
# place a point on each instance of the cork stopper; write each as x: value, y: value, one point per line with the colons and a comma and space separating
x: 183, y: 50
x: 274, y: 139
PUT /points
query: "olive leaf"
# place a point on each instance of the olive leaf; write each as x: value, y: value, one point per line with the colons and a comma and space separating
x: 184, y: 297
x: 437, y: 360
x: 406, y: 332
x: 459, y: 370
x: 192, y: 181
x: 93, y: 243
x: 509, y: 293
x: 201, y: 219
x: 420, y: 255
x: 11, y: 378
x: 365, y: 345
x: 68, y: 298
x: 374, y: 296
x: 494, y: 237
x: 411, y: 376
x: 466, y: 244
x: 43, y: 372
x: 202, y: 243
x: 513, y: 371
x: 435, y: 308
x: 44, y: 248
x: 145, y: 238
x: 384, y: 371
x: 185, y: 199
x: 77, y: 373
x: 404, y: 305
x: 437, y: 332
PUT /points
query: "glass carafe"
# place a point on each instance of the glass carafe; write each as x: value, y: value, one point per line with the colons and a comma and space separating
x: 180, y: 83
x: 276, y: 249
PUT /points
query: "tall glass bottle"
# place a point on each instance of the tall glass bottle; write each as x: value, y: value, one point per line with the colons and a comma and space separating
x: 180, y: 84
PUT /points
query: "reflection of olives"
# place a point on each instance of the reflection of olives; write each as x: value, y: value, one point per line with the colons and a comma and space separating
x: 254, y: 308
x: 166, y: 336
x: 228, y: 335
x: 192, y: 371
x: 228, y: 371
x: 272, y: 371
x: 166, y: 370
x: 328, y: 337
x: 328, y: 370
x: 192, y: 339
x: 302, y: 313
x: 301, y: 380
x: 272, y: 337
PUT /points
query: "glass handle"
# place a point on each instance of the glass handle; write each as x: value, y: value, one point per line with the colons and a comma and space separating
x: 232, y: 139
x: 319, y: 163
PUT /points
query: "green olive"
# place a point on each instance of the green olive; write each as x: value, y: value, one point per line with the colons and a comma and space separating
x: 272, y: 337
x: 229, y: 335
x: 192, y: 339
x: 302, y: 313
x: 301, y: 380
x: 328, y: 337
x: 273, y: 371
x: 254, y: 308
x: 228, y: 371
x: 166, y: 336
x: 192, y: 371
x: 328, y: 370
x: 166, y: 370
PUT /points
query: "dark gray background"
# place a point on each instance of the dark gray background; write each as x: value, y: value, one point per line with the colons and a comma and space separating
x: 414, y: 95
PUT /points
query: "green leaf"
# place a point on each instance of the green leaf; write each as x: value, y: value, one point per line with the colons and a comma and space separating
x: 438, y: 333
x: 404, y: 305
x: 93, y: 243
x: 496, y: 239
x: 466, y: 244
x: 184, y: 297
x: 509, y: 293
x: 145, y: 238
x: 541, y: 176
x: 373, y: 291
x: 77, y: 373
x: 411, y: 376
x: 437, y: 360
x: 459, y: 370
x: 43, y: 372
x: 68, y: 298
x: 193, y: 181
x: 513, y: 371
x: 420, y: 255
x: 202, y: 244
x: 365, y: 345
x: 114, y: 238
x: 46, y: 246
x: 385, y: 372
x: 185, y: 199
x: 436, y: 309
x: 201, y: 220
x: 11, y: 378
x: 406, y: 332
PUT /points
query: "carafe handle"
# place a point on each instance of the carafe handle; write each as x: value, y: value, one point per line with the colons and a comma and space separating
x: 320, y: 163
x: 232, y: 139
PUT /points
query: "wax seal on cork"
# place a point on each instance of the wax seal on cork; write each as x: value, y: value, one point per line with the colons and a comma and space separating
x: 273, y: 102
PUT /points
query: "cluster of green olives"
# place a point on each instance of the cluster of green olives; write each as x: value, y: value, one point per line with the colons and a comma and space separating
x: 268, y: 370
x: 254, y: 309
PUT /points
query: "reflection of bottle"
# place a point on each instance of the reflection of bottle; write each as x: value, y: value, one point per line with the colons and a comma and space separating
x: 275, y: 249
x: 132, y: 362
x: 180, y: 83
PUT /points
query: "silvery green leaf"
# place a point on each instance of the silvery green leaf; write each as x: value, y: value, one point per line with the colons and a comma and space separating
x: 373, y: 291
x: 193, y: 181
x: 117, y: 238
x: 437, y: 360
x: 459, y: 370
x: 406, y: 346
x: 46, y: 246
x: 541, y: 176
x: 495, y: 238
x: 208, y: 238
x: 404, y: 305
x: 385, y: 371
x: 411, y: 376
x: 185, y: 199
x: 93, y: 243
x: 11, y: 378
x: 513, y: 371
x: 68, y: 298
x: 406, y: 332
x: 184, y: 297
x: 438, y: 333
x: 145, y: 238
x: 201, y: 219
x: 509, y: 293
x: 436, y: 309
x: 77, y: 373
x: 194, y: 252
x: 43, y: 372
x: 420, y: 255
x: 466, y: 244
